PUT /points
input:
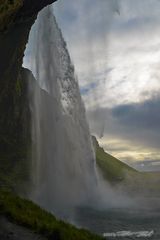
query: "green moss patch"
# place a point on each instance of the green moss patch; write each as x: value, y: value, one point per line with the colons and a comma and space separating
x: 8, y: 9
x: 27, y: 214
x: 130, y: 180
x: 112, y: 169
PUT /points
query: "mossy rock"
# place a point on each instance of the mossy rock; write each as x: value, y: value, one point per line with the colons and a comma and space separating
x: 15, y: 134
x: 8, y: 10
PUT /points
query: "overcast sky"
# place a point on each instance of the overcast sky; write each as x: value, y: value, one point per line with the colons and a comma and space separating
x: 115, y: 47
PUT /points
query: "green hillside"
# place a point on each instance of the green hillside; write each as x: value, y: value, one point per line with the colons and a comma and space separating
x: 112, y: 169
x: 120, y: 174
x: 27, y: 214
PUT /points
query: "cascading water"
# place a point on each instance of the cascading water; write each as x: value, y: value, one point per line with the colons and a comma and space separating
x: 64, y: 172
x: 63, y: 160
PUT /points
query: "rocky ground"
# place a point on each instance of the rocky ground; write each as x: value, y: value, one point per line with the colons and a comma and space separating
x: 11, y: 231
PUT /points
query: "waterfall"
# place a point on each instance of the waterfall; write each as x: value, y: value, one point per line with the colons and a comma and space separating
x: 63, y: 160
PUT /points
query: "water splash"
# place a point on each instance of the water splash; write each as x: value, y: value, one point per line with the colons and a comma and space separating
x: 64, y: 171
x: 138, y: 234
x: 63, y: 159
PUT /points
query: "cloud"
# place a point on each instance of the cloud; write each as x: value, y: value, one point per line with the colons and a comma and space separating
x: 145, y: 115
x: 117, y: 60
x: 130, y: 127
x: 86, y: 34
x: 99, y: 39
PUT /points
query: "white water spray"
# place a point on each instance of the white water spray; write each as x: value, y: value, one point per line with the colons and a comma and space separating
x: 63, y: 159
x: 63, y: 168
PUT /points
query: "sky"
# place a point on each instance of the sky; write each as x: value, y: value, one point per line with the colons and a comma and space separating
x: 115, y: 47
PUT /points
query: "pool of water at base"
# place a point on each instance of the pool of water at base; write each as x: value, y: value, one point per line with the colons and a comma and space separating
x: 121, y: 223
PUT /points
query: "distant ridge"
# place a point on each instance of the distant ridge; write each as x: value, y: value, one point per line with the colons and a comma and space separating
x: 130, y: 180
x: 112, y: 169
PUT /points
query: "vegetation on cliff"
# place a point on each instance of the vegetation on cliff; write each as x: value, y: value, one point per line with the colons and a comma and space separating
x: 120, y: 175
x: 112, y: 169
x: 15, y: 136
x: 13, y: 11
x: 16, y: 19
x: 8, y: 10
x: 27, y: 214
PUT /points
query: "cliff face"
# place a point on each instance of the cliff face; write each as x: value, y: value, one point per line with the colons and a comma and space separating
x: 8, y: 9
x: 15, y: 11
x: 16, y: 19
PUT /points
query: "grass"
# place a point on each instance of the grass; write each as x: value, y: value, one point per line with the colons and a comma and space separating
x: 14, y: 172
x: 27, y: 214
x: 112, y: 169
x: 121, y: 175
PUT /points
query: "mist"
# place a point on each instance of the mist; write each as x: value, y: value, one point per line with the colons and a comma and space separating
x: 54, y: 106
x: 94, y: 19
